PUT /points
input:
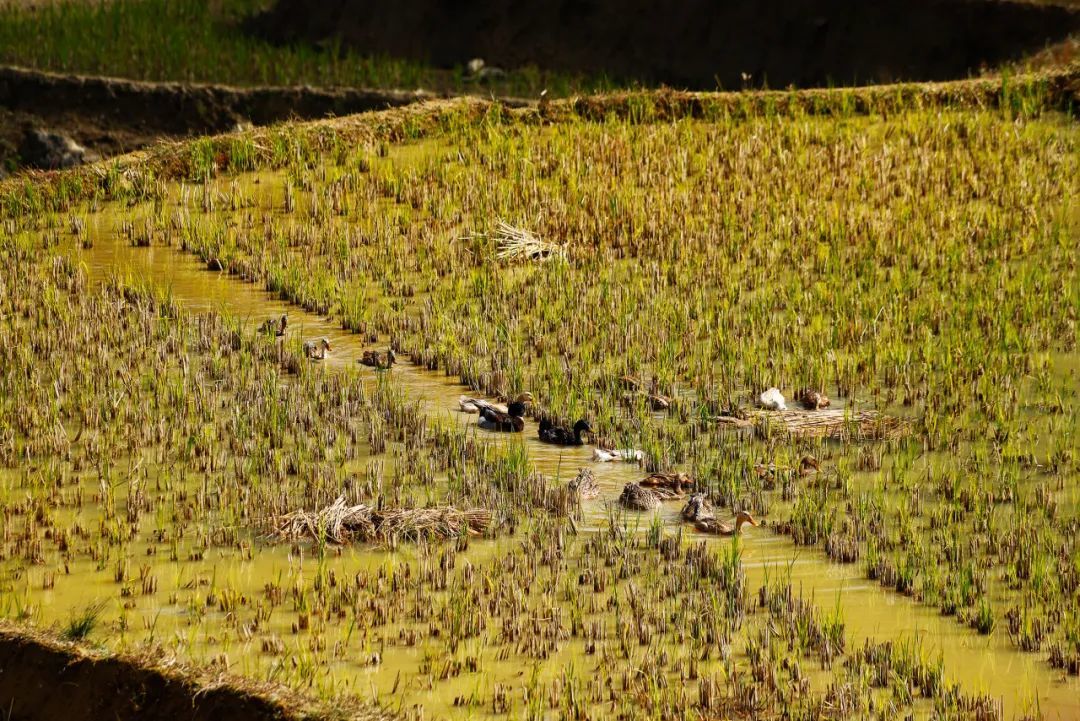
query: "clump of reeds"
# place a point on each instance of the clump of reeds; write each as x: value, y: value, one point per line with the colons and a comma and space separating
x: 83, y: 622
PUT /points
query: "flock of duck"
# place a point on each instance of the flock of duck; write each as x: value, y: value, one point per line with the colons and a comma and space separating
x: 511, y: 419
x: 319, y: 348
x: 650, y: 493
x: 644, y: 495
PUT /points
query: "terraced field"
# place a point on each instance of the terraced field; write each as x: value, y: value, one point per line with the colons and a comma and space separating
x: 176, y: 478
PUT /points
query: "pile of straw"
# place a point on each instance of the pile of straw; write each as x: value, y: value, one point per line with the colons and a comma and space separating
x: 341, y: 523
x: 832, y: 423
x: 520, y: 244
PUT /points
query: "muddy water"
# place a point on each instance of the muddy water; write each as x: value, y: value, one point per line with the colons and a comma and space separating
x: 985, y: 664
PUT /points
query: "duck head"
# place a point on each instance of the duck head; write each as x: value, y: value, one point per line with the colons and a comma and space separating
x: 582, y: 426
x: 284, y: 320
x: 325, y: 343
x: 525, y: 398
x: 391, y: 359
x: 743, y: 518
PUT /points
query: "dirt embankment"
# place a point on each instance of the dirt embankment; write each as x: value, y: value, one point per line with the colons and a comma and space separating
x: 693, y: 43
x: 42, y: 679
x: 111, y: 116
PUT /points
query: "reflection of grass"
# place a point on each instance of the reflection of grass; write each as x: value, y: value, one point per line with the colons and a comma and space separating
x: 82, y: 623
x: 200, y: 40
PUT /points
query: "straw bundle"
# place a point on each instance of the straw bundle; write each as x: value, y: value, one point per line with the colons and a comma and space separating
x: 834, y: 423
x: 341, y: 523
x: 520, y: 244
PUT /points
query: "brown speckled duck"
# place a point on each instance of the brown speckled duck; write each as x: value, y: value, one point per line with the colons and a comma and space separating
x: 677, y: 483
x: 316, y: 349
x: 638, y: 498
x: 699, y: 511
x: 812, y: 400
x: 585, y: 485
x: 275, y: 326
x: 381, y: 360
x: 719, y: 528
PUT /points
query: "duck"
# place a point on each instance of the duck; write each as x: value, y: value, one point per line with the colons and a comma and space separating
x: 550, y: 433
x: 699, y: 511
x: 812, y: 400
x: 638, y: 498
x: 674, y: 482
x: 770, y: 474
x: 275, y: 326
x: 509, y: 422
x: 602, y: 455
x: 657, y: 400
x: 697, y: 508
x: 634, y: 390
x: 720, y: 528
x: 584, y: 485
x: 808, y: 464
x: 381, y: 360
x: 773, y: 400
x: 467, y: 404
x: 316, y: 349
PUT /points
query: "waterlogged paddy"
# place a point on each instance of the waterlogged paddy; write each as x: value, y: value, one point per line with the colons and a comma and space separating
x: 249, y: 603
x: 981, y: 664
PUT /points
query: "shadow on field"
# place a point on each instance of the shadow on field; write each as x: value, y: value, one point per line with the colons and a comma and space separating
x: 692, y: 43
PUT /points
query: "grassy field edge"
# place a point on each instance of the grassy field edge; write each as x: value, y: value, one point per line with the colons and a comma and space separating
x: 134, y: 175
x: 35, y: 665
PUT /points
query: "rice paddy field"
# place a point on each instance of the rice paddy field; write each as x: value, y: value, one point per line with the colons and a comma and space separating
x: 178, y: 478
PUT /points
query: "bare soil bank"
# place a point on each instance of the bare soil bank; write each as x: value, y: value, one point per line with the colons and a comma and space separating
x: 42, y: 679
x: 112, y: 116
x: 692, y: 43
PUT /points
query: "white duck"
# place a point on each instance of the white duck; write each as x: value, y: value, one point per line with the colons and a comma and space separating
x: 599, y: 455
x: 773, y: 400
